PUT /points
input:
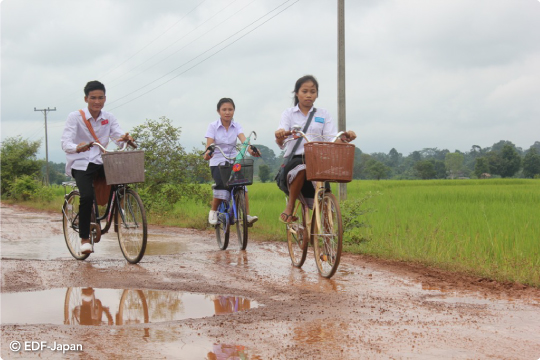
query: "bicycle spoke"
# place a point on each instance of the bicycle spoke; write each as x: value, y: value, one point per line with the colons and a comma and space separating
x: 328, y: 238
x: 132, y: 231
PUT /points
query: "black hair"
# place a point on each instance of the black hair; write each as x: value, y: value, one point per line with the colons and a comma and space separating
x: 225, y: 101
x: 304, y: 79
x: 93, y: 85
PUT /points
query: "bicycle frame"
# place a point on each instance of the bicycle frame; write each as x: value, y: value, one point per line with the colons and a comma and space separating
x: 112, y: 204
x: 316, y: 227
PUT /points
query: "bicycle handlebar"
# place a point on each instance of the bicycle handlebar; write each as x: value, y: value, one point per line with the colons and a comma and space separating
x: 299, y: 133
x: 83, y: 147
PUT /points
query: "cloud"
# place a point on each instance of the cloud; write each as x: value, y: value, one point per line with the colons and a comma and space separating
x: 442, y: 73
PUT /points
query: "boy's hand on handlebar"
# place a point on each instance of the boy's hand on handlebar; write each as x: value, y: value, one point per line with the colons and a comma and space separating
x: 82, y: 147
x: 129, y: 139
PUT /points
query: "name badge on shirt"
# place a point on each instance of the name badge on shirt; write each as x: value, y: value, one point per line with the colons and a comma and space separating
x: 319, y: 120
x: 104, y: 122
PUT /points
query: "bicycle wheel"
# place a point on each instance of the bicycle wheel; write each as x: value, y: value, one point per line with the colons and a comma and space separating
x: 222, y: 227
x: 132, y: 229
x: 72, y: 305
x: 133, y: 308
x: 327, y: 240
x: 70, y: 220
x: 241, y: 219
x: 297, y: 234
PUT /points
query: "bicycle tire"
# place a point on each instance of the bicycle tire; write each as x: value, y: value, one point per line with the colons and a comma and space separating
x: 132, y: 226
x: 70, y: 222
x: 241, y: 219
x: 132, y: 304
x: 71, y: 301
x: 222, y: 227
x: 297, y: 235
x: 327, y: 242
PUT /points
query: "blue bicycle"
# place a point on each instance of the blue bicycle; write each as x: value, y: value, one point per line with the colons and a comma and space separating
x: 236, y: 176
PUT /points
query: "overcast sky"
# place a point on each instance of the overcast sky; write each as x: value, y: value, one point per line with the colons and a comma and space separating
x: 419, y: 73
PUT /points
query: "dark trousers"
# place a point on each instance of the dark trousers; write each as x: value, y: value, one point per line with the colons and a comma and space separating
x: 84, y: 180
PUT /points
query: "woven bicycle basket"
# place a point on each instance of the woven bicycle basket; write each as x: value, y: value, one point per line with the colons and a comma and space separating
x: 241, y: 173
x: 124, y: 167
x: 327, y: 161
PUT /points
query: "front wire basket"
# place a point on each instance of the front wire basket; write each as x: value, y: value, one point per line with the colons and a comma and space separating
x: 329, y: 161
x: 239, y: 173
x: 123, y: 167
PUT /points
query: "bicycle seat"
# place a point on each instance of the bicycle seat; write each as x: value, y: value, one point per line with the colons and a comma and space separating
x: 213, y: 186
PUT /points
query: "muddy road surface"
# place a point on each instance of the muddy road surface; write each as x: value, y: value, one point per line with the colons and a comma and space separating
x: 189, y: 300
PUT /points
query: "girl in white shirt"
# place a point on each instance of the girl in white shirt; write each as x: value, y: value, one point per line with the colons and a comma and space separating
x: 306, y: 91
x: 224, y: 132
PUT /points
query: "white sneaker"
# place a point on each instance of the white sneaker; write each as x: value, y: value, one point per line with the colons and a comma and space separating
x: 86, y: 248
x: 252, y: 219
x: 212, y: 217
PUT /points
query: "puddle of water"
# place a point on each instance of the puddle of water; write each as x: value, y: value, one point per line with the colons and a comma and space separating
x: 200, y: 347
x: 54, y: 246
x: 91, y: 306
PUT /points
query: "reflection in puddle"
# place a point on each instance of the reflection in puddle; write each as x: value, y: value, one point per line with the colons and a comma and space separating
x: 90, y: 306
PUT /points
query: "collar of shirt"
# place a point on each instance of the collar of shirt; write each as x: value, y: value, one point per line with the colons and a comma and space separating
x: 233, y: 124
x: 296, y: 108
x: 89, y: 116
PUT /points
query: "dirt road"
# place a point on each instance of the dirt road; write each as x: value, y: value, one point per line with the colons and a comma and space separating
x: 203, y: 303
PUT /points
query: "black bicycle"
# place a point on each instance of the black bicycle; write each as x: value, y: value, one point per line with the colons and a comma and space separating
x: 124, y: 209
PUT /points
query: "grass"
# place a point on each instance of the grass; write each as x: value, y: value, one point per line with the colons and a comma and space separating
x: 488, y: 228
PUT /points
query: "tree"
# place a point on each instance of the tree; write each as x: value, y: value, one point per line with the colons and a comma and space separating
x: 18, y: 158
x: 164, y: 157
x: 481, y: 166
x: 531, y: 163
x: 440, y: 169
x: 497, y: 147
x: 377, y: 169
x: 425, y: 169
x: 454, y: 163
x: 395, y: 158
x: 264, y: 173
x: 170, y: 173
x: 511, y: 161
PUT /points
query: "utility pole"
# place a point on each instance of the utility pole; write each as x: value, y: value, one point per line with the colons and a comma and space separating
x: 342, y: 123
x: 45, y: 111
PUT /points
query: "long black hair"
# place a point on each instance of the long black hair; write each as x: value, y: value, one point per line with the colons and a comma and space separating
x: 300, y: 82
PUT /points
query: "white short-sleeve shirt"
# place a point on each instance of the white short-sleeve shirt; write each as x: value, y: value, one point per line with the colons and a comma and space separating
x: 321, y: 124
x: 226, y: 139
x: 75, y: 132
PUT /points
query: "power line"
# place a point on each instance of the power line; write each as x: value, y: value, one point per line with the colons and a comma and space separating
x: 152, y: 41
x: 183, y: 47
x: 145, y: 46
x: 200, y: 62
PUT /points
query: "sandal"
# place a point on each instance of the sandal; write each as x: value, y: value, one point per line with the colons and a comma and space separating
x: 287, y: 216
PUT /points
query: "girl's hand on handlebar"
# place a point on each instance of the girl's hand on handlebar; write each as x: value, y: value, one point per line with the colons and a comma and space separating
x: 281, y: 134
x: 348, y: 136
x: 253, y: 151
x: 208, y: 153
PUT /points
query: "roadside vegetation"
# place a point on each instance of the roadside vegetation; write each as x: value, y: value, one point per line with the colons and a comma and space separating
x: 485, y: 227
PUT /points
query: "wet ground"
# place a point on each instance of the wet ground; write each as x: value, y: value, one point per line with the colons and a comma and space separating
x: 189, y: 300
